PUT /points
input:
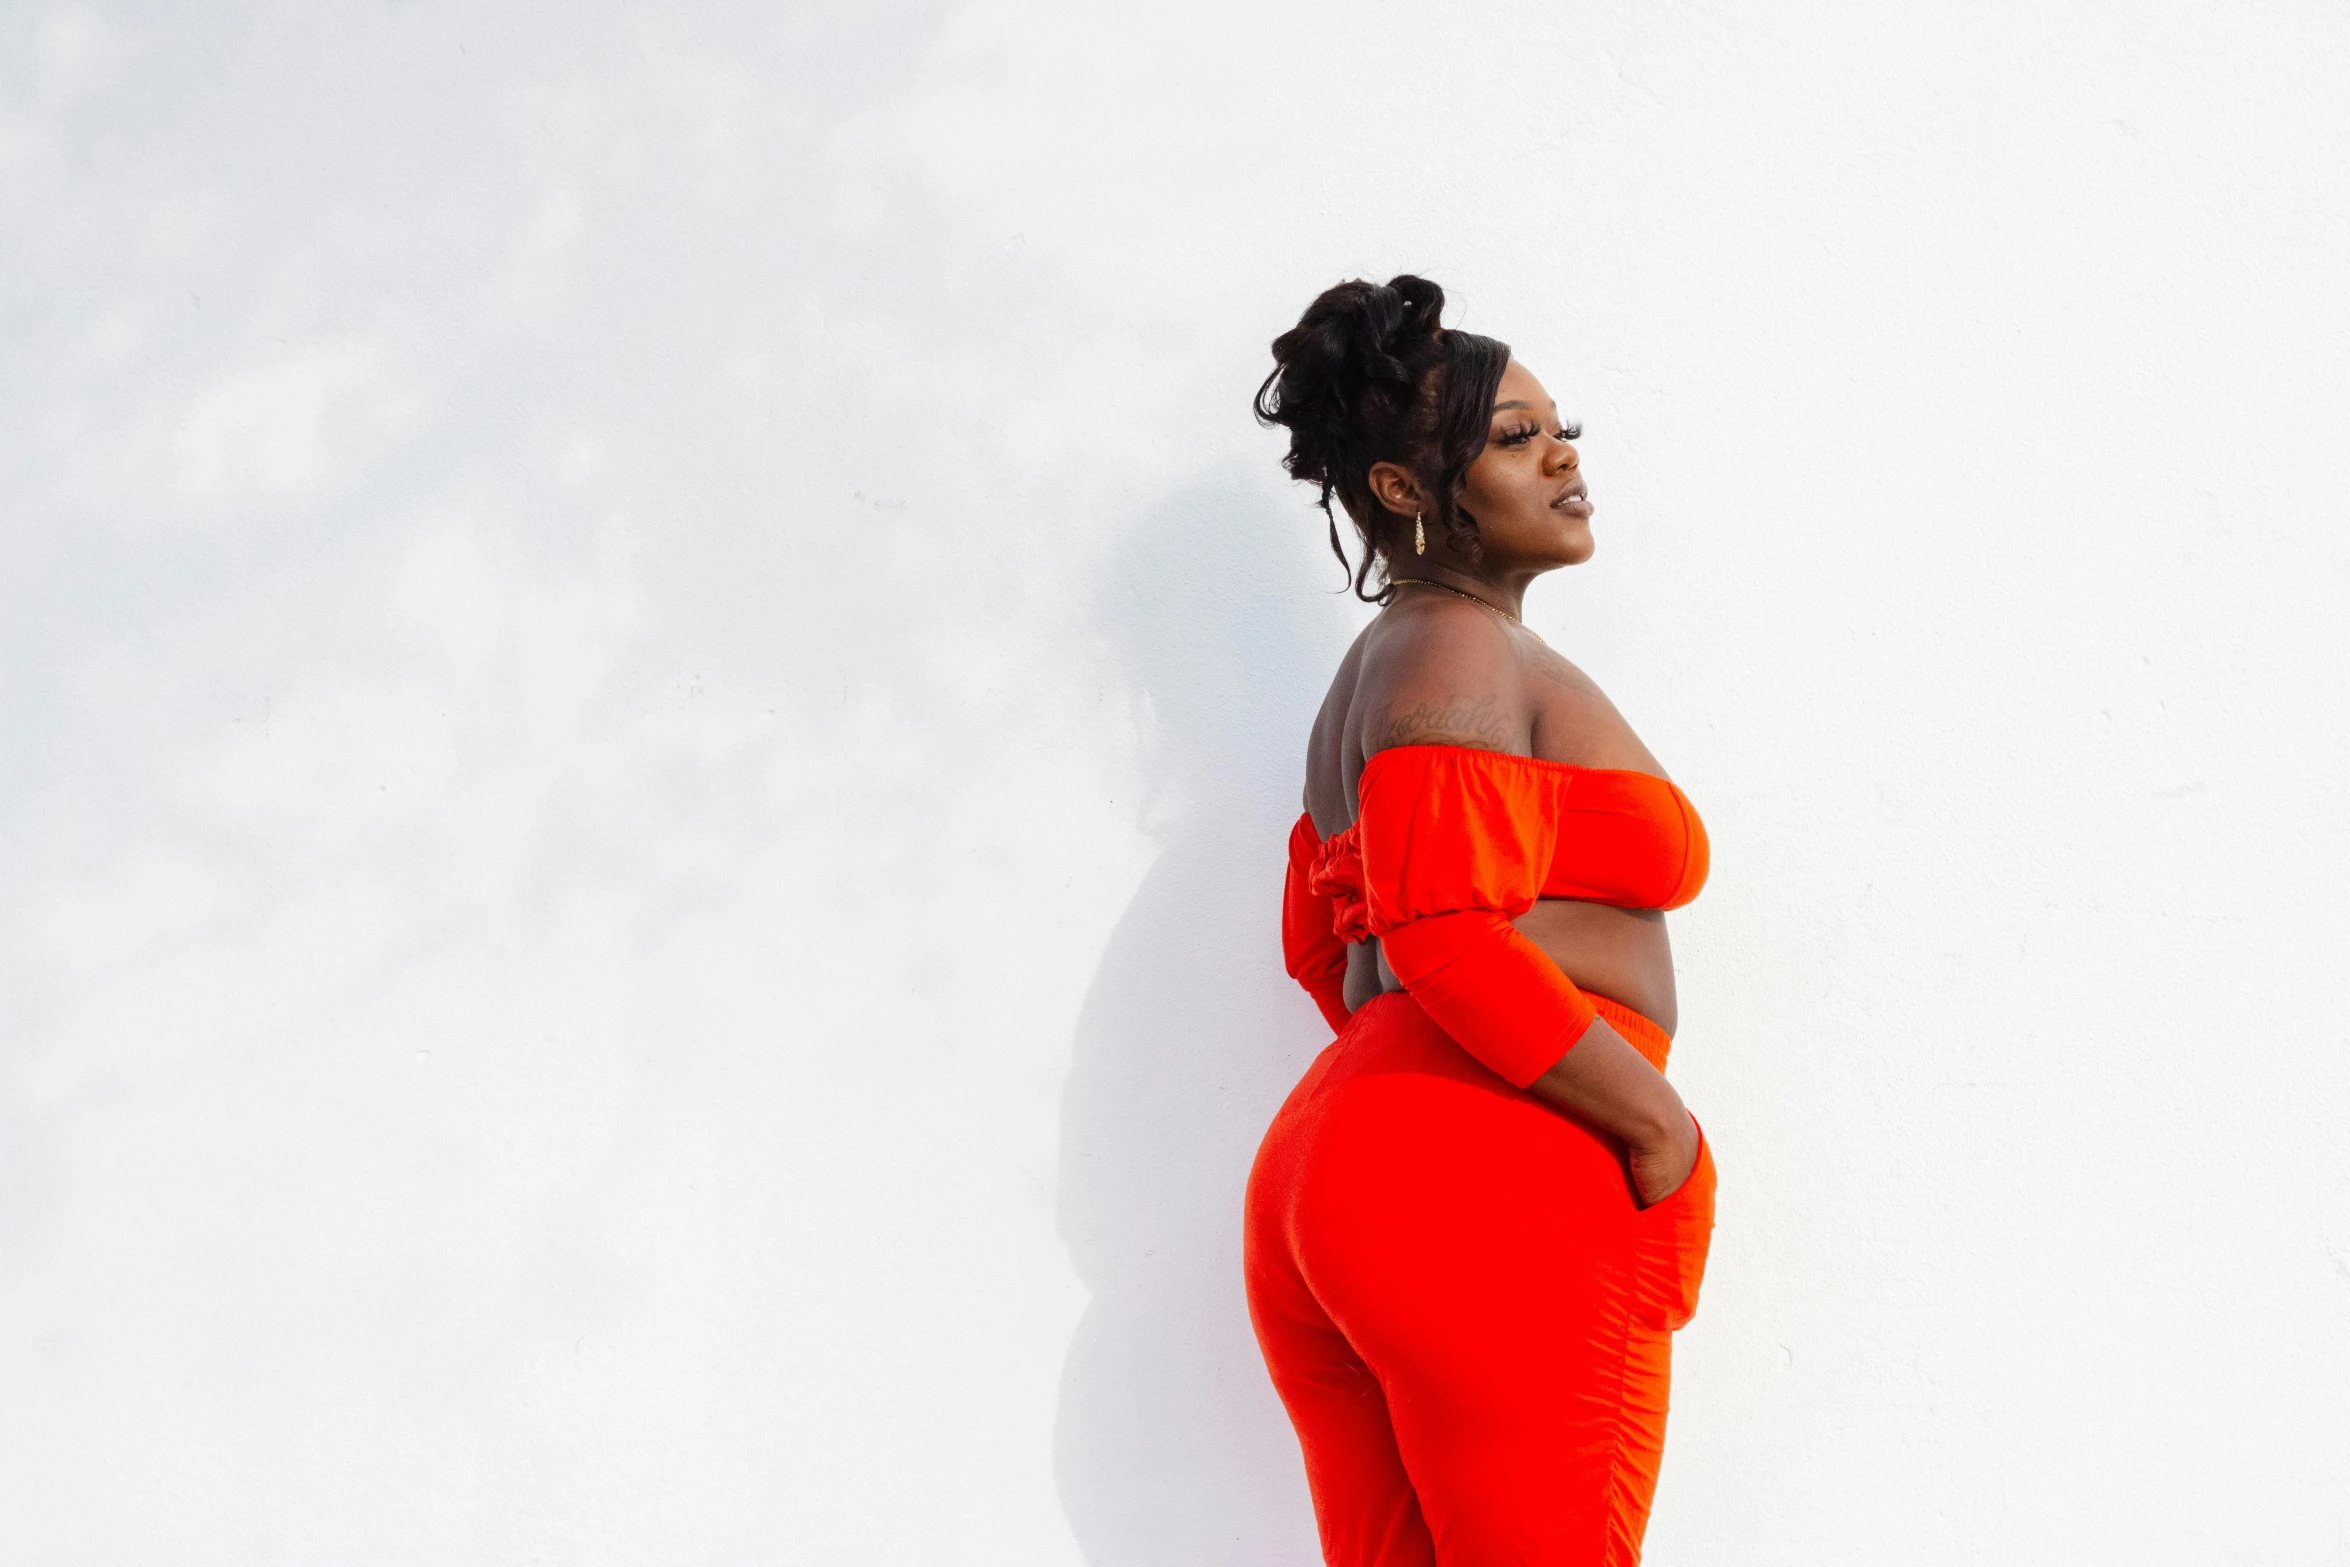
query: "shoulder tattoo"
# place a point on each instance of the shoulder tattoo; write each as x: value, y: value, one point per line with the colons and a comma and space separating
x: 1471, y: 721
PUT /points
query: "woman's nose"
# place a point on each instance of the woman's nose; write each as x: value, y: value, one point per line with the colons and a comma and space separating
x: 1563, y: 455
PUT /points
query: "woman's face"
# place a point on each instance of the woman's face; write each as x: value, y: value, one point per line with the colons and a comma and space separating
x: 1525, y: 489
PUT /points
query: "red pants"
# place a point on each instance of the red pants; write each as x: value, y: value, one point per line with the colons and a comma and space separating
x: 1463, y: 1308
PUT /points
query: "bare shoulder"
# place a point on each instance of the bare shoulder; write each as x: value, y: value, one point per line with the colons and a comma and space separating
x: 1441, y: 674
x: 1573, y: 720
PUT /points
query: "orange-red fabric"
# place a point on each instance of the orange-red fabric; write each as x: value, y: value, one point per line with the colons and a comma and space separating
x: 1464, y: 1311
x: 1311, y: 947
x: 1602, y: 834
x: 1630, y: 839
x: 1448, y: 845
x: 1491, y: 989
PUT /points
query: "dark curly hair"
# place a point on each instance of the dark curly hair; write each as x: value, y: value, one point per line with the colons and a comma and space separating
x: 1369, y: 374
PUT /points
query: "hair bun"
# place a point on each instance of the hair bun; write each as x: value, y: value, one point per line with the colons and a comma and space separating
x: 1368, y: 329
x: 1422, y: 307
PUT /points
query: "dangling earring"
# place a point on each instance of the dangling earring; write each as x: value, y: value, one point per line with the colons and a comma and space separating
x: 1419, y: 535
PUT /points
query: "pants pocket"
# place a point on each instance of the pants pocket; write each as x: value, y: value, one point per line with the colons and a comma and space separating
x: 1670, y: 1243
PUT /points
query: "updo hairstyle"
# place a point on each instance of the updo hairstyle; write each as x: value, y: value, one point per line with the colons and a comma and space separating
x: 1369, y: 374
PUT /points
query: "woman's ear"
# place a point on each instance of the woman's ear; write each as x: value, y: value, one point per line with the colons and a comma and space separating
x: 1393, y: 487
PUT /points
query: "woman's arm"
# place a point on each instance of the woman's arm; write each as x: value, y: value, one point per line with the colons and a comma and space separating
x: 1601, y: 1078
x: 1605, y: 1081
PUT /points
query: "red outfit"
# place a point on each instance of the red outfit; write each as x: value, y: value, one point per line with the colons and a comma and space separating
x: 1464, y: 1309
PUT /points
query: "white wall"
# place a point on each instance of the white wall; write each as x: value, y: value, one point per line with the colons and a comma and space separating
x: 653, y: 681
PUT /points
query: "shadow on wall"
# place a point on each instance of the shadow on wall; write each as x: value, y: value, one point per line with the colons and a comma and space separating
x: 1171, y: 1447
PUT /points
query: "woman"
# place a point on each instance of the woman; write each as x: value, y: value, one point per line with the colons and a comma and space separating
x: 1479, y: 1217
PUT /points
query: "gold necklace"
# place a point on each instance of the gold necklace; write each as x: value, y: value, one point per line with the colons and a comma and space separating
x: 1431, y: 582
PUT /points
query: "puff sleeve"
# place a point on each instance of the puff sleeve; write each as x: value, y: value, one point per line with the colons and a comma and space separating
x: 1455, y: 843
x: 1311, y: 948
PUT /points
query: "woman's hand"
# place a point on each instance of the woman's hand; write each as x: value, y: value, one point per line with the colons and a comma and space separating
x: 1659, y: 1167
x: 1604, y: 1081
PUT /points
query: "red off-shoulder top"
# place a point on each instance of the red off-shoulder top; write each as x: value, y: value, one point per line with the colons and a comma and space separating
x: 1448, y: 845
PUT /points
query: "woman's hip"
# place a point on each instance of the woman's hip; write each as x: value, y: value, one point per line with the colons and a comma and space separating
x: 1395, y: 1116
x: 1400, y: 1155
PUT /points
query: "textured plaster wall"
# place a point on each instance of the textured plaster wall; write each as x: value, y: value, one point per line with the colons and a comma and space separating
x: 651, y: 682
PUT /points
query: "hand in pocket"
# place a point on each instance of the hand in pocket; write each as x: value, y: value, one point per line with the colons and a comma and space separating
x: 1671, y: 1240
x: 1660, y: 1168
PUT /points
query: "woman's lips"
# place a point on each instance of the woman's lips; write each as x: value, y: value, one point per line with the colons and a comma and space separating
x: 1576, y: 502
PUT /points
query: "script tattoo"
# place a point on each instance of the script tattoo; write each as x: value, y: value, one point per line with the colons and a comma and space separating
x: 1454, y: 721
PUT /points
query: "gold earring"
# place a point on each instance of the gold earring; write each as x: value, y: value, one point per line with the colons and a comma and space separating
x: 1419, y: 535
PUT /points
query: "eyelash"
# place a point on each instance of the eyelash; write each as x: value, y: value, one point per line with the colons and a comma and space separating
x: 1526, y: 432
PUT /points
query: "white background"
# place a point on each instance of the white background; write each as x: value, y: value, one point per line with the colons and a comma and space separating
x: 653, y: 680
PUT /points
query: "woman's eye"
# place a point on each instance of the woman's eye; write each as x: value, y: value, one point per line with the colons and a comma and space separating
x: 1519, y: 435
